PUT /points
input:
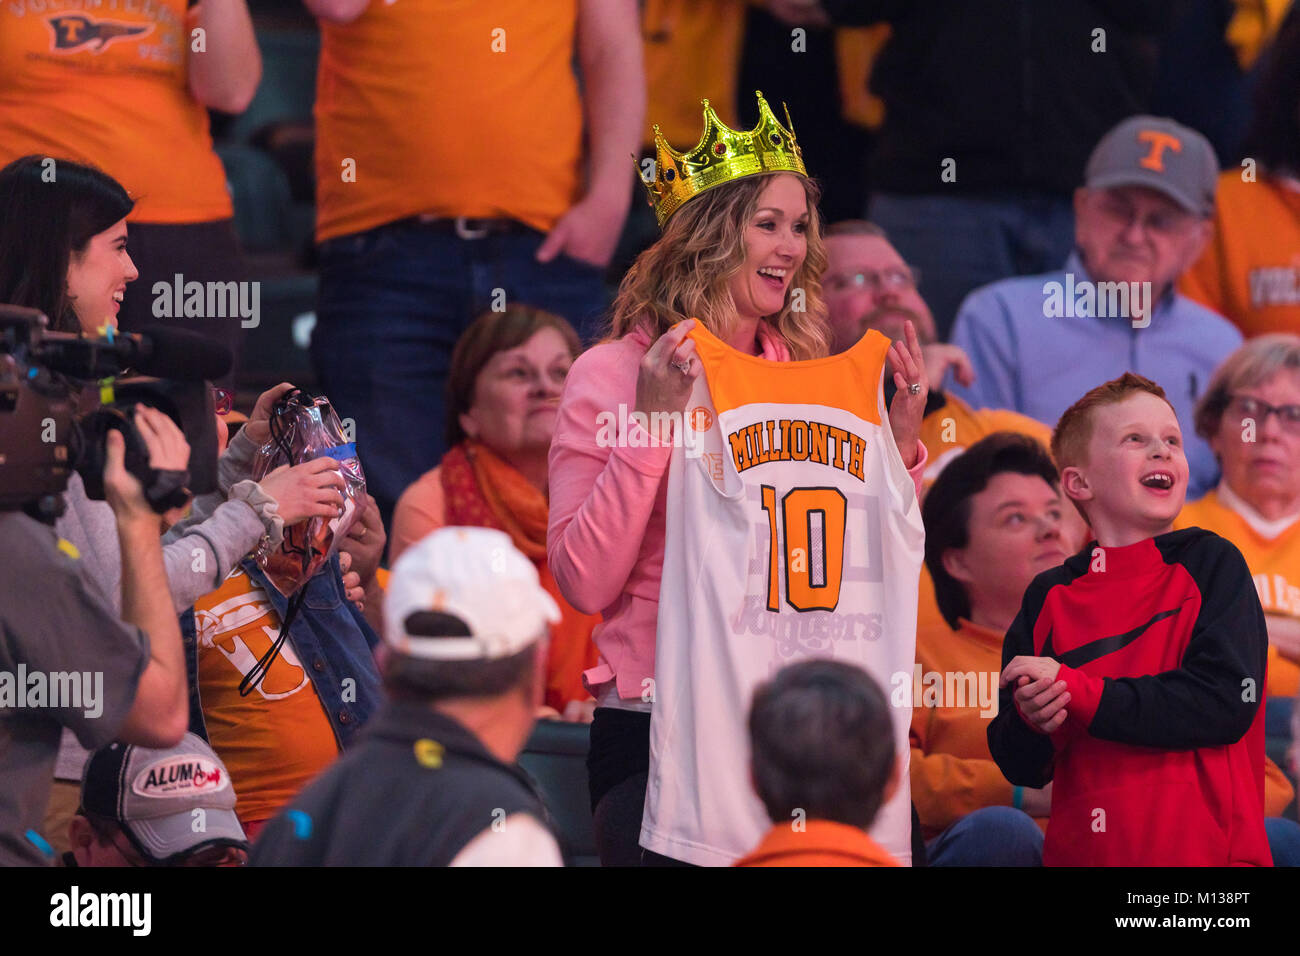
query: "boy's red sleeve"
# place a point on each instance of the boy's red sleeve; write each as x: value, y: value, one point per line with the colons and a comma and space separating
x: 1085, y: 695
x: 1210, y: 700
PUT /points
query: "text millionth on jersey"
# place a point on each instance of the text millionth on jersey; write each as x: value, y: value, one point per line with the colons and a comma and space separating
x: 811, y: 441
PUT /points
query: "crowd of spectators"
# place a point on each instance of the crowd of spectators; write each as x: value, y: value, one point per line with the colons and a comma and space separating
x: 1012, y: 192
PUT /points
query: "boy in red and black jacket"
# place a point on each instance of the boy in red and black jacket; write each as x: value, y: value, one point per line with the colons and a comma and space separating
x: 1133, y: 676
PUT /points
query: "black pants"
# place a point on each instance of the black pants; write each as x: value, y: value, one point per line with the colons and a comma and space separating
x: 618, y: 768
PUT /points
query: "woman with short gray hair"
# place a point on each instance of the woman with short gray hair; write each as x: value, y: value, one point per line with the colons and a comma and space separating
x: 1250, y: 416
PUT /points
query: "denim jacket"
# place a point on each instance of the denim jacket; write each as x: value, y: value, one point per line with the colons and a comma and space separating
x: 329, y: 636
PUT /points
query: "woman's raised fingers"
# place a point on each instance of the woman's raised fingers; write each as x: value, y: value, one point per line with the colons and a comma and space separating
x: 667, y: 343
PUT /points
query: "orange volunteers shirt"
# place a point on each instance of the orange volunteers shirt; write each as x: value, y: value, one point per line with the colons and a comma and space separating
x: 105, y: 82
x: 856, y: 51
x: 275, y: 740
x: 818, y: 843
x: 448, y: 108
x: 1250, y: 270
x: 1275, y: 566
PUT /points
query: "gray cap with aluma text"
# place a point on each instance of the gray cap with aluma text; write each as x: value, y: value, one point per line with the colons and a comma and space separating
x: 153, y: 796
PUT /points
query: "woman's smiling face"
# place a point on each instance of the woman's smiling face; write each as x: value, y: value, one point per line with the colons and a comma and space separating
x: 776, y: 243
x: 97, y: 278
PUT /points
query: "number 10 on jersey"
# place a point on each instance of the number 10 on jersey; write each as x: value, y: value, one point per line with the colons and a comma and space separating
x: 812, y: 528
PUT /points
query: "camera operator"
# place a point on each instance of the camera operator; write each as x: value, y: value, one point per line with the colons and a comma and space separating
x: 200, y: 553
x: 63, y: 251
x: 54, y: 621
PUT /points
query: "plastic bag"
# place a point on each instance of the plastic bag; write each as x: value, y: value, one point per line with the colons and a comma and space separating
x: 303, y: 428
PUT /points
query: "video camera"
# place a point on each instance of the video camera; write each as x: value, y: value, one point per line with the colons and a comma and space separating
x: 61, y: 393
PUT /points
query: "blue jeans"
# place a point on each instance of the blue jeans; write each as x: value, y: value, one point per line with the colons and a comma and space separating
x: 1277, y: 716
x: 1283, y: 840
x: 963, y: 242
x: 393, y: 302
x: 990, y: 836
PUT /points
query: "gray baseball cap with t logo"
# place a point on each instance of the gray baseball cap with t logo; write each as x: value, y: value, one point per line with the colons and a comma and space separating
x: 1158, y: 153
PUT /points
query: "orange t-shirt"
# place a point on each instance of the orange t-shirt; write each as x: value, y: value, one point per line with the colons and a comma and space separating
x: 692, y: 52
x: 107, y: 84
x: 1273, y: 564
x: 1250, y: 271
x: 448, y: 108
x: 856, y: 50
x: 275, y: 740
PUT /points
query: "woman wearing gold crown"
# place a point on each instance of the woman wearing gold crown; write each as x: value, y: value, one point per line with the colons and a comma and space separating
x: 741, y: 255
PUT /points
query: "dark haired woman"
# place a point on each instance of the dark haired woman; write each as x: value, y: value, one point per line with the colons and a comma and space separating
x: 74, y: 224
x: 62, y: 250
x: 127, y: 87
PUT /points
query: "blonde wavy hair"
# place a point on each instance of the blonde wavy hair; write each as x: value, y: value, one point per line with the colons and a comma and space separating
x: 685, y: 273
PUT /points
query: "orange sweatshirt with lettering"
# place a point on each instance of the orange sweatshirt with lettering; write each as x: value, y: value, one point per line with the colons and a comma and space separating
x: 1250, y: 271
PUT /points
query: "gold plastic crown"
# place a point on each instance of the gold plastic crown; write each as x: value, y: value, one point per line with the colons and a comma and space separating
x: 721, y: 155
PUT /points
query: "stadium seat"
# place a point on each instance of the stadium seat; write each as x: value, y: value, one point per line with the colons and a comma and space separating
x: 288, y: 87
x: 272, y: 230
x: 556, y: 757
x: 261, y: 197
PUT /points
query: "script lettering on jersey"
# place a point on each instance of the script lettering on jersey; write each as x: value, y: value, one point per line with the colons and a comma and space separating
x: 798, y: 440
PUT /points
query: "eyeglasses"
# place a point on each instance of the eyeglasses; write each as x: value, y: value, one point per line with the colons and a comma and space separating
x: 215, y: 856
x: 1163, y: 222
x: 897, y: 279
x: 223, y: 400
x: 1246, y: 406
x: 206, y: 857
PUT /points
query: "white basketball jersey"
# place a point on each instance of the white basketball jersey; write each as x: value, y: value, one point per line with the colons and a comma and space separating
x: 793, y: 531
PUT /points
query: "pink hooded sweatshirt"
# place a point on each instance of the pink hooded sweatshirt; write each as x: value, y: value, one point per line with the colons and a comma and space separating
x: 605, y: 540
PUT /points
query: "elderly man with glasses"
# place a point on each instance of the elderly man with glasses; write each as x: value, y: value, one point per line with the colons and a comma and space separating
x: 1141, y: 219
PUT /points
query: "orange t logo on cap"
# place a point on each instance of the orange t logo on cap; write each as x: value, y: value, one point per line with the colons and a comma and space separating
x: 1159, y: 143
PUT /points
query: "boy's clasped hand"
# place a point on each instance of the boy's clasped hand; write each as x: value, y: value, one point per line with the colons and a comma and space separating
x: 1040, y: 697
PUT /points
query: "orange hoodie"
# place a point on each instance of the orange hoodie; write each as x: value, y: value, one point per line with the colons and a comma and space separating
x: 819, y: 843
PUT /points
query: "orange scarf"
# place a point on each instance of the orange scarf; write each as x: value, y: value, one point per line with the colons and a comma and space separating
x: 482, y: 490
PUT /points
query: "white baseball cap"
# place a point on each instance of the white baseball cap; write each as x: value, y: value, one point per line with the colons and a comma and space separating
x: 477, y: 575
